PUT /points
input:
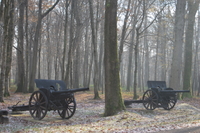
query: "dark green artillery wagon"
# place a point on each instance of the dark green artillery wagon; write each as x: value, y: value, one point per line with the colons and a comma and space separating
x: 52, y: 95
x: 158, y: 95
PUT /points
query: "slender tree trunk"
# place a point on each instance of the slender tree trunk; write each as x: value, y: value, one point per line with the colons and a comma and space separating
x: 196, y: 83
x: 65, y: 38
x: 1, y: 9
x: 130, y: 60
x: 136, y: 64
x: 158, y: 48
x: 121, y: 47
x: 86, y: 60
x: 69, y: 61
x: 9, y: 48
x: 27, y: 52
x: 4, y: 46
x: 146, y: 56
x: 101, y: 75
x: 20, y: 49
x: 95, y: 54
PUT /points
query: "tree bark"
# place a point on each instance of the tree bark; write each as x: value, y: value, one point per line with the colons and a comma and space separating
x: 20, y: 49
x: 65, y: 39
x: 113, y: 97
x: 95, y: 54
x: 193, y: 7
x: 4, y: 46
x: 9, y: 47
x: 27, y: 51
x: 175, y: 76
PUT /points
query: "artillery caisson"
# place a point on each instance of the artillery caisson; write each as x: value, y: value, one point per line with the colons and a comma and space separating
x: 158, y: 95
x: 52, y: 95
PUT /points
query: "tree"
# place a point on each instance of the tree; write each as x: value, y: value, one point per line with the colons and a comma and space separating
x: 193, y: 6
x: 9, y: 42
x: 113, y: 97
x: 175, y: 76
x: 94, y: 42
x: 67, y: 2
x: 124, y: 29
x: 8, y: 34
x: 36, y: 42
x: 20, y: 49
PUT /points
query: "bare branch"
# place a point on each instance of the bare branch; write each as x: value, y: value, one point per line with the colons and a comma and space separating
x: 44, y: 14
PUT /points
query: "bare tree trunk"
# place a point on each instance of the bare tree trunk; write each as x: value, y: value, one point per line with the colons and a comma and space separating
x: 9, y: 48
x: 193, y: 7
x: 113, y: 97
x: 163, y: 52
x: 130, y: 60
x: 1, y: 9
x: 65, y: 38
x: 20, y: 49
x: 95, y: 54
x: 8, y: 33
x: 71, y: 48
x: 196, y: 84
x: 101, y: 47
x: 146, y: 56
x: 136, y: 63
x: 4, y: 46
x: 86, y: 60
x: 175, y: 76
x: 27, y: 52
x: 124, y: 29
x: 158, y: 48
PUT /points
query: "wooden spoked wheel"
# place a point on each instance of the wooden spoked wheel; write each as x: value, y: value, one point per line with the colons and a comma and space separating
x: 38, y: 105
x: 69, y: 108
x: 150, y: 100
x: 169, y: 102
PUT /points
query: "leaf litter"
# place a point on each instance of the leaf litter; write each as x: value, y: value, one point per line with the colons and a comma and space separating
x: 88, y: 117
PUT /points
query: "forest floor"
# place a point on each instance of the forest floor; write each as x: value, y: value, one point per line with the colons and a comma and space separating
x: 89, y: 117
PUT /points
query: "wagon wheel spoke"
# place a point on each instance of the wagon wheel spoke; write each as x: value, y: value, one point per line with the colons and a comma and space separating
x: 170, y: 102
x: 69, y: 108
x: 150, y: 100
x: 38, y: 105
x: 41, y: 99
x: 37, y: 97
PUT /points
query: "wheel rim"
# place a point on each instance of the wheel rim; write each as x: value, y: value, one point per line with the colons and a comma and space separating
x: 38, y: 105
x: 169, y: 102
x: 69, y: 105
x: 150, y: 100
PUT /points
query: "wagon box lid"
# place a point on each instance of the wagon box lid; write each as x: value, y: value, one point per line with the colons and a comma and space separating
x: 156, y: 84
x: 45, y: 83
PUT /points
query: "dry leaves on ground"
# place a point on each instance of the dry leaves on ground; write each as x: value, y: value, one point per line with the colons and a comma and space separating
x: 88, y: 117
